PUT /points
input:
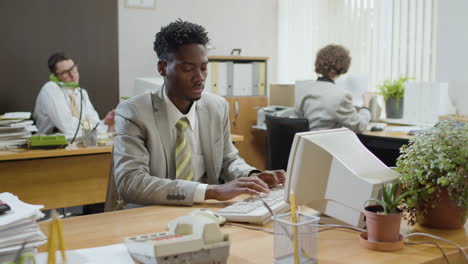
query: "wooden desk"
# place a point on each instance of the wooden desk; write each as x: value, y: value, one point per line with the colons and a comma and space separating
x: 247, y: 246
x: 56, y: 178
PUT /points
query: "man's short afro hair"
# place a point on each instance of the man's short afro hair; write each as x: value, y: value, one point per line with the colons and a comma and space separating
x: 178, y: 33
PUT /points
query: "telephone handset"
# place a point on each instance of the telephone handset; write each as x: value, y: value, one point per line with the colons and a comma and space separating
x: 73, y: 85
x: 54, y: 78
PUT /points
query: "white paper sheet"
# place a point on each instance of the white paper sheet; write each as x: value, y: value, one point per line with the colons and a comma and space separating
x: 17, y: 115
x: 115, y: 254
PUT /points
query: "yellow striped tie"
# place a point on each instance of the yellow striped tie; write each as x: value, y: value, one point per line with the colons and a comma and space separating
x: 183, y: 159
x: 74, y: 107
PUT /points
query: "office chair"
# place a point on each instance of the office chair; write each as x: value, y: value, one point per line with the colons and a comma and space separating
x: 280, y: 135
x: 113, y: 199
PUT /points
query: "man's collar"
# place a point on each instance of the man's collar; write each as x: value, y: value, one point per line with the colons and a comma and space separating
x: 173, y: 112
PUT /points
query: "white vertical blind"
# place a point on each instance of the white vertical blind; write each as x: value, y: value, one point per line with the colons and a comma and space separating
x: 387, y: 39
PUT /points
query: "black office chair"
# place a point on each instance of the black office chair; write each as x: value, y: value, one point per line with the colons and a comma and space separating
x: 280, y: 136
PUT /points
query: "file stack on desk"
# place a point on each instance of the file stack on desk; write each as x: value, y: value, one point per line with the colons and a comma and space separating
x: 18, y: 226
x: 15, y: 128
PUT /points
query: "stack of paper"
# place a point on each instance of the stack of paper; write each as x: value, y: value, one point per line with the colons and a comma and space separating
x: 15, y: 128
x: 18, y: 226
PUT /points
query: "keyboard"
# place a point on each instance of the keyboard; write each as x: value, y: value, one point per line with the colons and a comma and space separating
x: 252, y: 210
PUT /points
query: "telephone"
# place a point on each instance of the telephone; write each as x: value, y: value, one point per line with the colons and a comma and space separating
x: 73, y: 85
x: 194, y: 238
x: 54, y: 78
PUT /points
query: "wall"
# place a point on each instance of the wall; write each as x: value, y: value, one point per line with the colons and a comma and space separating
x: 452, y: 50
x: 452, y: 40
x: 246, y: 24
x: 32, y: 30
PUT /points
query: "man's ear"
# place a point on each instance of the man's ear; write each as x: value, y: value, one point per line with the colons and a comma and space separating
x: 162, y: 67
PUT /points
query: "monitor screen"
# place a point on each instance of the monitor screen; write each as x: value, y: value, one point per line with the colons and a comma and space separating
x: 144, y: 84
x: 332, y: 172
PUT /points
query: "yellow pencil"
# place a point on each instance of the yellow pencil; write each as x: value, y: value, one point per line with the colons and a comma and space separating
x: 56, y: 241
x: 61, y: 244
x: 52, y: 243
x: 89, y: 124
x: 294, y: 221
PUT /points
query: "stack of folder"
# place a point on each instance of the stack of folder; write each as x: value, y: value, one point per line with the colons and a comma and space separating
x: 15, y: 129
x: 19, y: 230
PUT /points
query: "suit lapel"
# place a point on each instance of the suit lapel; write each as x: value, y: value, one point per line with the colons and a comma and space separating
x: 205, y: 130
x: 162, y: 124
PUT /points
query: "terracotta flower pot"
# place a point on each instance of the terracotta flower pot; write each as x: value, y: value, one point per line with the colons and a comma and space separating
x: 445, y: 215
x: 382, y: 227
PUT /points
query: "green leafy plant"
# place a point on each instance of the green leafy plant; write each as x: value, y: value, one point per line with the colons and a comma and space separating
x: 393, y: 89
x: 434, y: 160
x: 389, y: 201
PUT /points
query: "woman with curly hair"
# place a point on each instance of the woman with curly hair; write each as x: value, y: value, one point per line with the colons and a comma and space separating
x: 327, y: 106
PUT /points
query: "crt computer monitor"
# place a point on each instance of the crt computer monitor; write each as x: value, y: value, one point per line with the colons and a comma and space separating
x: 145, y: 84
x: 332, y: 172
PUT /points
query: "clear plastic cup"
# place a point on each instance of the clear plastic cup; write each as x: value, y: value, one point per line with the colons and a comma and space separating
x: 304, y: 231
x: 89, y: 138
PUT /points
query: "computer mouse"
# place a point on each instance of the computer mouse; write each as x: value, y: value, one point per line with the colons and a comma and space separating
x: 209, y: 214
x: 375, y: 128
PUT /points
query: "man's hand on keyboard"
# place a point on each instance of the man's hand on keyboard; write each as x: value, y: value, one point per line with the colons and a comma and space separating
x: 272, y: 178
x: 248, y: 185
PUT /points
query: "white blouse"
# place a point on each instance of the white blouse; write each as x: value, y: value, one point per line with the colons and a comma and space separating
x: 327, y: 106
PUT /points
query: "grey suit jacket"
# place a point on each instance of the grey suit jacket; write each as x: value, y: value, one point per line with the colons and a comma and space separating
x: 327, y: 106
x: 144, y: 170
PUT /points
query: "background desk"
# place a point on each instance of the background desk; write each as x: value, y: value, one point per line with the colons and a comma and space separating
x: 56, y: 178
x: 247, y: 246
x: 385, y: 144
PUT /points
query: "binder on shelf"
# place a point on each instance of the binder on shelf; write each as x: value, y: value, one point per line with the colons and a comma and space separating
x: 217, y: 80
x: 229, y: 79
x: 236, y: 76
x: 258, y: 78
x: 243, y: 73
x: 208, y: 78
x: 222, y: 80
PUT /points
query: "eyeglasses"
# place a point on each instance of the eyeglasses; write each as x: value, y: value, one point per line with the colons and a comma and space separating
x: 73, y: 69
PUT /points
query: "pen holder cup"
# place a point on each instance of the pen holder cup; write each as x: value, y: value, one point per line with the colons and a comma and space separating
x: 303, y: 234
x: 89, y: 138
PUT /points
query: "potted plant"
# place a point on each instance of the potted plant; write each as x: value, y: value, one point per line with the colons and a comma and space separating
x: 384, y: 219
x: 393, y: 93
x: 436, y: 163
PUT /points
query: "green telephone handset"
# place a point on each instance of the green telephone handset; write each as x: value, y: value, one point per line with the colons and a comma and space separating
x: 54, y: 78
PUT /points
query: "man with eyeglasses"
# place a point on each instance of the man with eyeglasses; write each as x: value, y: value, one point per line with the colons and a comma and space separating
x: 58, y: 104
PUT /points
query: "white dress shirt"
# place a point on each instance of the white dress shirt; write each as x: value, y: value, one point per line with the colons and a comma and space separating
x: 53, y: 110
x: 193, y: 140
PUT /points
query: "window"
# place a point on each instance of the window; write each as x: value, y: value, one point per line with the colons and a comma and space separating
x: 387, y: 39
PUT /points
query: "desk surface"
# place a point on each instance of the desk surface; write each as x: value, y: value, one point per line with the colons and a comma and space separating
x: 247, y: 246
x: 387, y: 134
x: 20, y: 154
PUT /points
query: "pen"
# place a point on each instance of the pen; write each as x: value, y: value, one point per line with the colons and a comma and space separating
x: 94, y: 128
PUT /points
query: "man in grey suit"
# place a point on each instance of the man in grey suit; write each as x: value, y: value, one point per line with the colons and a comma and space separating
x: 173, y: 146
